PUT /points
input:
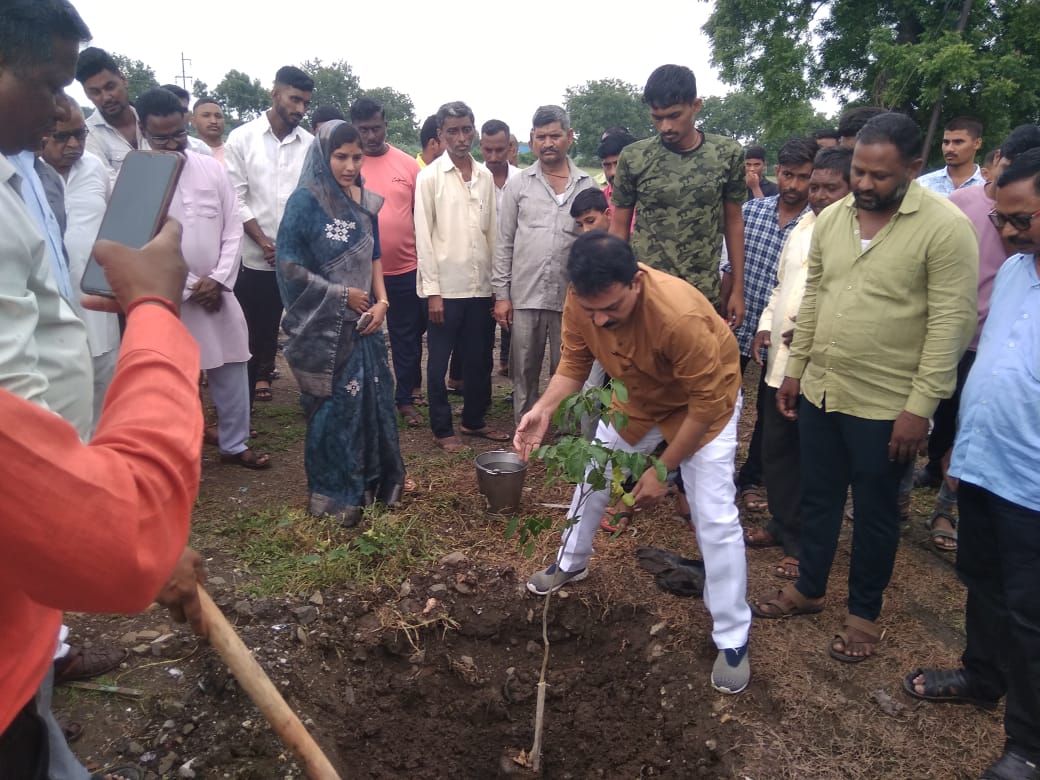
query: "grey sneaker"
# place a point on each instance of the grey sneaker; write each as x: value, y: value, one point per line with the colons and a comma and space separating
x: 732, y: 670
x: 550, y: 580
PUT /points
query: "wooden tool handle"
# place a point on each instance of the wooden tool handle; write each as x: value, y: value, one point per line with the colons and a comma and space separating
x: 261, y: 690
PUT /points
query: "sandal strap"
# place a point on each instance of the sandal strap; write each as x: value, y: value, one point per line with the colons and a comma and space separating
x: 868, y: 627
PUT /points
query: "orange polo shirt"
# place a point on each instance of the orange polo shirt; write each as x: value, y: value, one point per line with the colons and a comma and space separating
x: 675, y: 355
x: 98, y: 527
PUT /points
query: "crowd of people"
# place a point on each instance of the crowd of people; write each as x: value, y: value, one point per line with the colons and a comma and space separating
x: 892, y: 313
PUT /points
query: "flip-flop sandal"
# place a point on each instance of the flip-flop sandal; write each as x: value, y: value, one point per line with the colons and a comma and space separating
x: 950, y: 686
x: 760, y: 537
x: 410, y: 415
x: 248, y: 459
x: 486, y: 433
x: 787, y: 602
x: 451, y: 444
x: 787, y: 568
x: 263, y: 394
x: 862, y: 626
x: 938, y: 534
x: 753, y: 499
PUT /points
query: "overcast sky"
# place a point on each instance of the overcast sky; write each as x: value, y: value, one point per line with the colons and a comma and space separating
x: 503, y: 66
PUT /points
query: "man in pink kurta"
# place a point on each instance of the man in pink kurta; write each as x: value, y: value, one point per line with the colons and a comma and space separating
x: 205, y: 205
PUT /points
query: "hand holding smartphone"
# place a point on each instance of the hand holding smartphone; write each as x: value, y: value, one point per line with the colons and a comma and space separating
x: 139, y: 203
x: 364, y: 320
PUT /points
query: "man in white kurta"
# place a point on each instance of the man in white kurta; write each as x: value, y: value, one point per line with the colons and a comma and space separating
x: 205, y: 205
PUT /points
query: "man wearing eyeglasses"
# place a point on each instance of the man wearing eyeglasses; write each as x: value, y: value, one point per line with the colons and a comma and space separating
x: 86, y: 195
x: 884, y: 321
x: 995, y: 459
x: 205, y: 205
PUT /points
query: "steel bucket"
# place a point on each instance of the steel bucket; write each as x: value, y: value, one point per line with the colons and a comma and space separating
x: 500, y: 479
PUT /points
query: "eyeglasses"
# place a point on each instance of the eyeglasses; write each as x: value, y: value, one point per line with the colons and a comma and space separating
x: 63, y: 136
x: 1021, y: 222
x: 162, y: 140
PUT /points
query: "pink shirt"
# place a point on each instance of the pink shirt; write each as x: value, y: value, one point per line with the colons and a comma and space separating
x: 393, y: 176
x: 205, y: 205
x: 976, y: 204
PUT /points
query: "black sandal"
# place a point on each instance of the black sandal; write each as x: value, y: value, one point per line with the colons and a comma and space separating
x: 952, y: 686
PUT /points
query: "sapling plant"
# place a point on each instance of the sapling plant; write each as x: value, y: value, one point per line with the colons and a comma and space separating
x: 592, y: 466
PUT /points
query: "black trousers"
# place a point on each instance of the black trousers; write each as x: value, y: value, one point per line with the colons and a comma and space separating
x: 750, y: 473
x: 405, y: 324
x: 838, y: 450
x: 782, y: 469
x: 469, y: 330
x: 944, y: 428
x: 23, y: 746
x: 257, y: 293
x: 998, y: 558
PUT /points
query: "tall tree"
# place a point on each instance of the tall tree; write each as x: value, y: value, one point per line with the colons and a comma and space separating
x: 738, y: 115
x: 243, y: 98
x: 199, y: 89
x: 139, y: 77
x: 900, y: 54
x: 334, y: 84
x: 596, y: 105
x: 402, y: 128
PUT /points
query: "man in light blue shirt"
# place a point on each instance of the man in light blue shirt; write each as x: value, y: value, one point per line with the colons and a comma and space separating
x: 962, y: 138
x: 996, y: 458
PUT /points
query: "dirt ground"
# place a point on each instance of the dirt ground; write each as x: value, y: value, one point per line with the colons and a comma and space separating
x: 410, y: 648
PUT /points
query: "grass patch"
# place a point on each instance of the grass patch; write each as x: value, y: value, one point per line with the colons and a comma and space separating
x: 287, y: 551
x: 282, y: 426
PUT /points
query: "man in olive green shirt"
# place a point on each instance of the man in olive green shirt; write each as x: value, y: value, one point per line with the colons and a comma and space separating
x: 889, y: 309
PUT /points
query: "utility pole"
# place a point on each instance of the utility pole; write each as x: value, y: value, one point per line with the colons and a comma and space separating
x: 933, y: 123
x: 184, y: 78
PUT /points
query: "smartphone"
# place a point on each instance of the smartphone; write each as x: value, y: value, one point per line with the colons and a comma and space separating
x: 364, y: 320
x: 140, y: 199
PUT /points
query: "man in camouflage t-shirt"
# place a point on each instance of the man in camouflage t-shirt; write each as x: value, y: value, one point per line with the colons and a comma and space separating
x: 688, y: 187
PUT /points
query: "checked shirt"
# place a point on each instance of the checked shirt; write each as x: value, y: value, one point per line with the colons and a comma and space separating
x: 763, y: 240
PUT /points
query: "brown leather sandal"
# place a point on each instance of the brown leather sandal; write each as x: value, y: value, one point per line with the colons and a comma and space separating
x: 786, y: 602
x: 857, y: 631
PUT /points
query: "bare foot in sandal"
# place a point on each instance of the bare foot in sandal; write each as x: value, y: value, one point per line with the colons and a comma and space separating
x: 857, y: 641
x: 787, y: 602
x: 787, y: 568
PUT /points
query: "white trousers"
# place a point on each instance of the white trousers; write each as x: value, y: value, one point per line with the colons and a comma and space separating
x: 229, y: 389
x: 708, y: 481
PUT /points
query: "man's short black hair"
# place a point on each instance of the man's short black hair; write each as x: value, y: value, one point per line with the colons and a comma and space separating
x: 1021, y: 139
x: 797, y: 151
x: 157, y: 101
x: 326, y: 113
x: 755, y: 153
x: 429, y: 130
x: 835, y: 158
x: 28, y: 28
x: 598, y: 260
x: 591, y: 199
x: 613, y: 141
x: 494, y: 127
x: 92, y: 61
x: 293, y: 77
x: 968, y: 124
x: 669, y: 85
x: 853, y: 119
x: 990, y: 158
x: 204, y: 100
x: 1024, y: 166
x: 826, y: 132
x: 893, y: 128
x: 179, y: 91
x: 456, y: 110
x: 366, y: 108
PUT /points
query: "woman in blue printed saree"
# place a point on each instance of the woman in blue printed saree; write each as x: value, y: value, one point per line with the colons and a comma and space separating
x: 329, y: 275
